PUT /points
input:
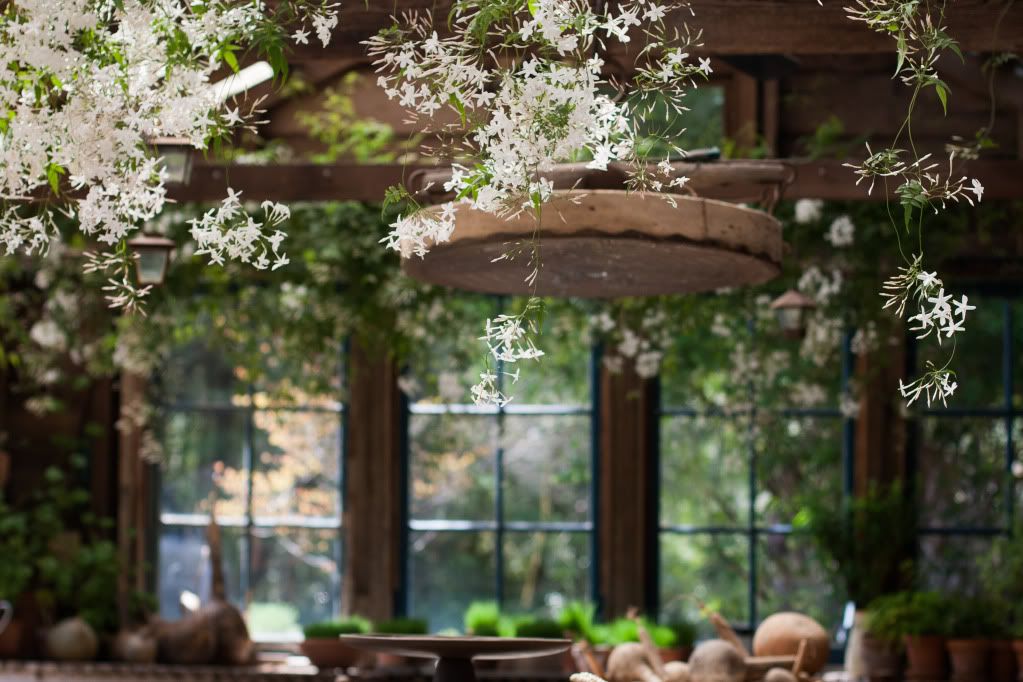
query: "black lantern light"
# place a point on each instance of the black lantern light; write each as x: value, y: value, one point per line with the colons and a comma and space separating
x: 177, y: 158
x: 792, y: 309
x: 152, y: 254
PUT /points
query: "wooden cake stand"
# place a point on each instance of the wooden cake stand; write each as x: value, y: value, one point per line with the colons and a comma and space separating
x: 455, y: 654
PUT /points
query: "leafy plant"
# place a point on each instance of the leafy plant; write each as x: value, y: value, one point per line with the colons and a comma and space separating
x: 16, y: 550
x: 577, y: 618
x: 974, y: 618
x: 1001, y: 576
x: 866, y: 542
x: 541, y: 628
x: 483, y: 619
x: 685, y: 632
x: 624, y: 630
x: 402, y: 626
x: 891, y: 617
x: 335, y: 628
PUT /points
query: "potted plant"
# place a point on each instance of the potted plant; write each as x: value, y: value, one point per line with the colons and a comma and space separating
x: 685, y: 638
x: 15, y: 576
x: 399, y: 626
x: 972, y: 623
x: 529, y: 627
x: 323, y: 647
x: 578, y: 620
x: 882, y: 637
x: 866, y: 545
x: 483, y: 619
x: 924, y: 624
x: 1001, y: 574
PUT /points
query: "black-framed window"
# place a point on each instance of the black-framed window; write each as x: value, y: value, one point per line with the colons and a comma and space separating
x: 732, y: 464
x: 276, y: 469
x: 500, y: 502
x: 966, y: 455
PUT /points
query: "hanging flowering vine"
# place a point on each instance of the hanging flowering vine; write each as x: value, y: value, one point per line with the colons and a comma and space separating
x: 526, y: 82
x: 87, y: 85
x: 923, y: 185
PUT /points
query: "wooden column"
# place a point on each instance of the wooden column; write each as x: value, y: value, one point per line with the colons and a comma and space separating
x: 881, y: 453
x: 628, y: 494
x: 134, y: 490
x: 373, y: 486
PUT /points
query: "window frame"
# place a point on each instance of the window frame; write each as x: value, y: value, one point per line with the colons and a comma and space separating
x: 500, y: 526
x: 751, y: 531
x: 251, y: 523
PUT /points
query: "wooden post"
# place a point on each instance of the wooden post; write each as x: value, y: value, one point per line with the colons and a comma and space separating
x: 880, y: 453
x: 133, y: 488
x: 373, y: 486
x: 627, y: 492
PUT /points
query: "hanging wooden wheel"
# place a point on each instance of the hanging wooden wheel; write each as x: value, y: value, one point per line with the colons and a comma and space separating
x: 610, y: 244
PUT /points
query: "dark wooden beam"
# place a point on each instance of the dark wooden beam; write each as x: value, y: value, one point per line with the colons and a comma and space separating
x: 828, y: 180
x: 733, y: 27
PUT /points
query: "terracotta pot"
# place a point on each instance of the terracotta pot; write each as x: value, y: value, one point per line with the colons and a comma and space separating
x: 1003, y: 661
x: 925, y: 657
x: 10, y: 640
x: 1017, y: 647
x: 330, y: 652
x: 881, y: 660
x: 969, y: 659
x: 677, y: 653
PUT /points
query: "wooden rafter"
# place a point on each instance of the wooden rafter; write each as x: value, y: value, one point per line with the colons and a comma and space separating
x: 735, y: 27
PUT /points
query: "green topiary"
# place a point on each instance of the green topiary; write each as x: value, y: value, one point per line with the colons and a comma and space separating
x: 402, y: 626
x: 483, y: 619
x: 577, y: 618
x: 540, y: 628
x: 685, y: 632
x: 335, y: 628
x: 973, y: 618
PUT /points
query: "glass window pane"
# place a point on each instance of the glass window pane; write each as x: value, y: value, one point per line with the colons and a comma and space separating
x: 796, y: 456
x: 297, y: 459
x: 1017, y: 355
x: 978, y: 356
x: 793, y: 578
x: 547, y: 468
x: 562, y: 376
x: 545, y: 570
x: 185, y: 566
x: 713, y: 569
x: 196, y: 374
x: 199, y: 446
x: 296, y: 580
x: 312, y: 377
x: 704, y: 471
x: 449, y: 360
x: 452, y: 467
x: 962, y: 472
x: 949, y: 562
x: 447, y: 572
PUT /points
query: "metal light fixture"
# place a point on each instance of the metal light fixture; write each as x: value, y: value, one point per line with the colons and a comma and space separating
x: 791, y: 309
x: 176, y: 153
x: 152, y: 254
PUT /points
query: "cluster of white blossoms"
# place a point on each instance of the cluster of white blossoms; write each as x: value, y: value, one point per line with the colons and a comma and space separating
x: 528, y: 87
x: 842, y: 232
x: 644, y: 346
x: 87, y: 86
x: 937, y: 314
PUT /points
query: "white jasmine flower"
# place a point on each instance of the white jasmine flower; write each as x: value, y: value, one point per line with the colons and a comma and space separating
x: 842, y: 231
x: 808, y: 210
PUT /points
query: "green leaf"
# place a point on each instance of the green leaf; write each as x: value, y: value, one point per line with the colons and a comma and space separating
x: 940, y: 88
x: 231, y: 60
x: 902, y: 49
x: 533, y: 5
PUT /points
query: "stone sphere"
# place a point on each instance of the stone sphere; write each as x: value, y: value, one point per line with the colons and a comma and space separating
x: 717, y: 661
x: 780, y: 635
x: 779, y: 675
x: 676, y: 671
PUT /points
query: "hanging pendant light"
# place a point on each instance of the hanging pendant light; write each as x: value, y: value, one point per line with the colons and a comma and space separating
x: 792, y: 309
x: 152, y: 256
x: 177, y: 158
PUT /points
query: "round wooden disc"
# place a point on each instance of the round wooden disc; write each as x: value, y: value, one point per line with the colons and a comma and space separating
x: 609, y: 244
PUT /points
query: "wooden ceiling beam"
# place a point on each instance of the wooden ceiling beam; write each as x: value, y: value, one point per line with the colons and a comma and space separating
x: 828, y: 180
x: 734, y: 27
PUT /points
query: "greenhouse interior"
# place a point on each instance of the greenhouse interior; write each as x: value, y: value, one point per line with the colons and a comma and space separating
x: 511, y: 340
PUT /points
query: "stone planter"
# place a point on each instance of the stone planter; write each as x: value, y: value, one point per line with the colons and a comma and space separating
x: 969, y: 659
x: 10, y: 640
x: 925, y: 657
x: 1002, y: 662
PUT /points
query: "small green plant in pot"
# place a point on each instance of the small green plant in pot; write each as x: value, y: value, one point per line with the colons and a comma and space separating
x: 685, y: 636
x: 921, y: 621
x: 402, y: 627
x: 578, y: 619
x: 972, y: 623
x: 529, y: 627
x: 483, y: 619
x: 323, y: 646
